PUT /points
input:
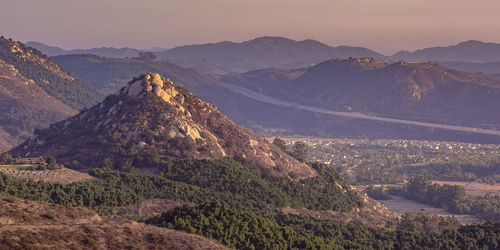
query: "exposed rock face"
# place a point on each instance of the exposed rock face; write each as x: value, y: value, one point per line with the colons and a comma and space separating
x: 151, y: 120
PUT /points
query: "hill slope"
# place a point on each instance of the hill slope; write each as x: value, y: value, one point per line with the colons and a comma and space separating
x: 265, y: 52
x: 48, y: 75
x: 27, y: 224
x: 24, y: 106
x: 152, y: 120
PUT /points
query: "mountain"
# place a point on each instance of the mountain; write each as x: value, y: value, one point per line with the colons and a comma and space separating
x: 108, y: 75
x: 470, y: 51
x: 265, y: 52
x: 412, y: 91
x: 103, y: 51
x: 152, y: 119
x: 202, y: 65
x: 46, y: 49
x: 24, y: 107
x: 47, y: 75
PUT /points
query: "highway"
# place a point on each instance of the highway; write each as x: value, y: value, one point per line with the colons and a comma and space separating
x: 271, y: 100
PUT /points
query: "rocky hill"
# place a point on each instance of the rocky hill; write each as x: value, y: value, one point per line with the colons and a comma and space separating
x: 24, y: 107
x: 150, y: 120
x: 265, y: 52
x: 47, y: 75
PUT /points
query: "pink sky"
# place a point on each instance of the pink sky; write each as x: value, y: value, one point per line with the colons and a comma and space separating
x: 383, y: 25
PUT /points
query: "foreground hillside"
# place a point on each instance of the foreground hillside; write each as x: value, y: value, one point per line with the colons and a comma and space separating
x: 103, y: 51
x: 27, y: 224
x: 47, y: 75
x: 24, y: 107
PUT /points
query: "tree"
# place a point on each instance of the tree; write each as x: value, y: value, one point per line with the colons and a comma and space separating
x: 8, y: 159
x: 280, y: 143
x: 51, y: 162
x: 299, y: 151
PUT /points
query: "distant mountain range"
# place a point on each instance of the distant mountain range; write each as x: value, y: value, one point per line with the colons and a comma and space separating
x: 103, y: 51
x: 279, y: 52
x: 265, y: 52
x: 224, y: 57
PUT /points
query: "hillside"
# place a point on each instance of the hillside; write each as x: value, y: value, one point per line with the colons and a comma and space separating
x: 413, y: 91
x: 150, y: 120
x: 265, y: 52
x: 36, y: 225
x: 47, y: 75
x: 103, y: 51
x: 24, y: 107
x: 469, y: 51
x: 491, y: 68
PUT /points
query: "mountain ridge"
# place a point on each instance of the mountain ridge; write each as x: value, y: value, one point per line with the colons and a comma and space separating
x: 469, y: 51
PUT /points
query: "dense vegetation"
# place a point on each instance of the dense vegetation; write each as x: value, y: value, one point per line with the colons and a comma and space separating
x: 194, y: 181
x: 377, y: 193
x: 451, y: 197
x: 48, y: 75
x: 247, y: 230
x: 235, y: 228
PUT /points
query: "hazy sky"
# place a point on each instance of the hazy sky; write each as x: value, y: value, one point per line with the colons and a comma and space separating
x: 382, y: 25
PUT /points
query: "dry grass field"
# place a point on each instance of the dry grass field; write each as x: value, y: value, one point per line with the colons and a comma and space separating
x: 475, y: 187
x: 62, y: 176
x: 34, y: 225
x: 401, y: 206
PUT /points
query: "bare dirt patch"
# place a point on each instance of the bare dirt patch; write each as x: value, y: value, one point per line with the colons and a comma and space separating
x: 61, y: 176
x: 401, y: 206
x: 475, y: 187
x: 36, y: 225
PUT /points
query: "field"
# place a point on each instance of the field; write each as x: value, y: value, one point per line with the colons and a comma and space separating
x: 62, y: 176
x: 401, y: 206
x: 474, y: 188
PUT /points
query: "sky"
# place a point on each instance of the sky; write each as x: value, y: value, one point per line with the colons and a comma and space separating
x: 386, y: 26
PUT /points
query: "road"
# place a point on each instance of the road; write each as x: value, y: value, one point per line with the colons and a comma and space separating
x: 271, y: 100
